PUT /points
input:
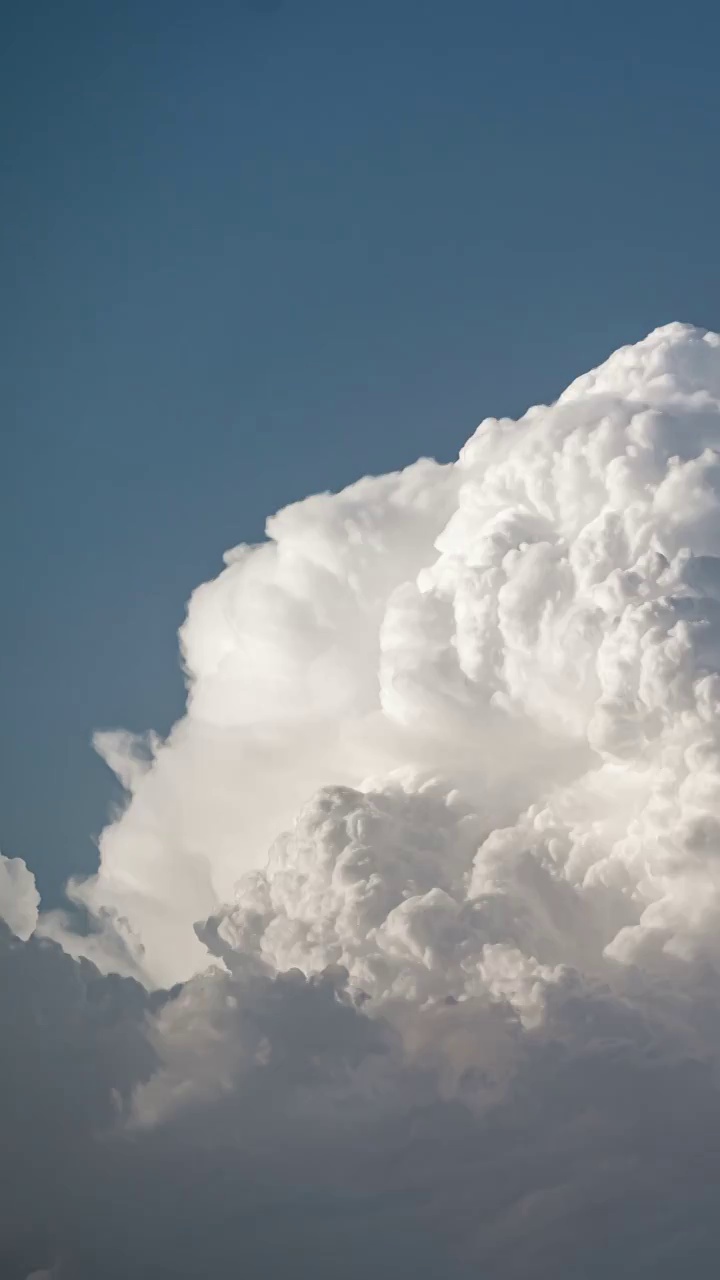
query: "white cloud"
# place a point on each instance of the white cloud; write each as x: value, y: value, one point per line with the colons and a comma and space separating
x: 434, y: 854
x: 534, y: 632
x: 19, y: 898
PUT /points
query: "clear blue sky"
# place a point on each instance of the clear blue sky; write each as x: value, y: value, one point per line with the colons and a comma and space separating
x: 252, y: 250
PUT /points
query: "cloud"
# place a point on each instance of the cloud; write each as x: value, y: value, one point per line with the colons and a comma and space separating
x: 19, y: 898
x: 403, y: 953
x: 74, y: 1050
x: 254, y: 1122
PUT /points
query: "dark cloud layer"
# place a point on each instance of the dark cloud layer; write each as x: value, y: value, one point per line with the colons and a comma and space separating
x: 310, y: 1138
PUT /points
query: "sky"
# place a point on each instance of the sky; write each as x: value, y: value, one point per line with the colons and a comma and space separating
x: 359, y: 891
x: 256, y: 250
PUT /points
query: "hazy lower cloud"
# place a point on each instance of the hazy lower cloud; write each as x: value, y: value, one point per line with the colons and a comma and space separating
x: 403, y: 955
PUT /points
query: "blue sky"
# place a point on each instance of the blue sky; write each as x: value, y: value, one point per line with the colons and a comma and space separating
x: 256, y: 250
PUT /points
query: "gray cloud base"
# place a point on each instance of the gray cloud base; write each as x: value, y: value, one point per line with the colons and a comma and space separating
x: 332, y: 1143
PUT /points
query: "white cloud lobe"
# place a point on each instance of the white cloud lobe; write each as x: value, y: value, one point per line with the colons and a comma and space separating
x: 471, y: 711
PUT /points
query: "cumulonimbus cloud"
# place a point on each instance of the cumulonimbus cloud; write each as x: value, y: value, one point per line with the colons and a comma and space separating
x: 434, y: 856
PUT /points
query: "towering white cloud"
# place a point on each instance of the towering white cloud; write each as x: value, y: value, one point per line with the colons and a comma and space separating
x: 435, y: 853
x: 530, y: 636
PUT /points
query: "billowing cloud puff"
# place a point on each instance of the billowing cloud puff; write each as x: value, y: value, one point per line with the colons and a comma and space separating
x: 417, y: 909
x: 19, y: 898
